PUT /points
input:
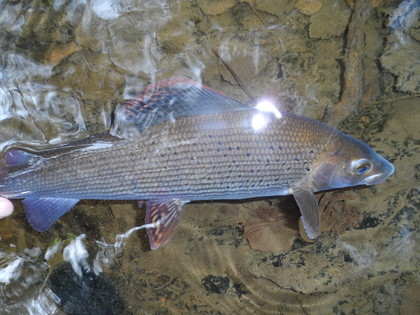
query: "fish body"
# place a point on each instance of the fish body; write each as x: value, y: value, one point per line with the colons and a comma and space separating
x: 237, y: 153
x: 217, y: 156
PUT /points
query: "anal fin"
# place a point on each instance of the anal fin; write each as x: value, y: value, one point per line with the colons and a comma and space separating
x: 43, y: 212
x: 165, y: 215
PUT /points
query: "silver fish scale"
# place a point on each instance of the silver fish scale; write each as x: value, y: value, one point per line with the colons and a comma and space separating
x: 218, y: 156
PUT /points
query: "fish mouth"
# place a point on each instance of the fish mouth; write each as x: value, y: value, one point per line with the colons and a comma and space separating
x: 379, y: 177
x: 387, y: 170
x: 375, y: 179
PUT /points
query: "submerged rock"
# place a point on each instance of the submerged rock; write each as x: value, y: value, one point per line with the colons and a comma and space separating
x: 90, y: 294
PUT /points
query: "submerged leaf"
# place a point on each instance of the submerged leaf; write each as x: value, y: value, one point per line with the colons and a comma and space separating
x: 337, y: 212
x: 62, y: 52
x: 270, y: 230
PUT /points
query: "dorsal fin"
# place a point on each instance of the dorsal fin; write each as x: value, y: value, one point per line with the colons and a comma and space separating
x: 169, y: 100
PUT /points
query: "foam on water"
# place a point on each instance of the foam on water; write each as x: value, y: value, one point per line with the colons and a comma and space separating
x: 11, y: 270
x: 108, y: 251
x: 76, y: 254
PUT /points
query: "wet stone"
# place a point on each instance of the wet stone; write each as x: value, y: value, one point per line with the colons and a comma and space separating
x: 370, y: 222
x: 89, y: 294
x: 331, y: 20
x: 216, y: 284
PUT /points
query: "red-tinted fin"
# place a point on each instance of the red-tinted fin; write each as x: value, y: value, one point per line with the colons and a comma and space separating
x: 43, y: 212
x: 165, y: 214
x: 168, y: 100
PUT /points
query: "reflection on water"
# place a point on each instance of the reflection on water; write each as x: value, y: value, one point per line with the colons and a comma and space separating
x: 21, y: 277
x: 65, y: 65
x: 35, y: 284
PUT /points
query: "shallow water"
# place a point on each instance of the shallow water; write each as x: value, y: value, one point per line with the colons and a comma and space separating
x: 64, y: 67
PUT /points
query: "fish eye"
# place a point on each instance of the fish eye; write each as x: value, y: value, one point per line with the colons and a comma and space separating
x: 361, y: 166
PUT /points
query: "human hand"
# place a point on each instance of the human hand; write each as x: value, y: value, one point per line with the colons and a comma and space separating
x: 6, y: 207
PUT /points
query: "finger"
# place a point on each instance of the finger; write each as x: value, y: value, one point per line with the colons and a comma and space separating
x: 6, y: 207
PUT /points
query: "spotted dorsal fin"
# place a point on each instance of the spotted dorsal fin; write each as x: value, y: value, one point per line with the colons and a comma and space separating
x: 169, y: 100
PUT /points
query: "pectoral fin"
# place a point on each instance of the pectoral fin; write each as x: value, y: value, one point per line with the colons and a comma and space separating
x: 309, y: 209
x: 165, y: 214
x: 43, y: 212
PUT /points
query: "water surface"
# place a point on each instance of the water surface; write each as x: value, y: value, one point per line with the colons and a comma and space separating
x: 65, y: 65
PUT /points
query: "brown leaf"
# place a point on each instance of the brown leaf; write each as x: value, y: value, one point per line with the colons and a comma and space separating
x: 59, y: 53
x: 337, y: 214
x: 308, y: 7
x: 269, y: 230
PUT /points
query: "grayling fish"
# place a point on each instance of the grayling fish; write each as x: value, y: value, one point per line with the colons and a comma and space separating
x: 179, y: 142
